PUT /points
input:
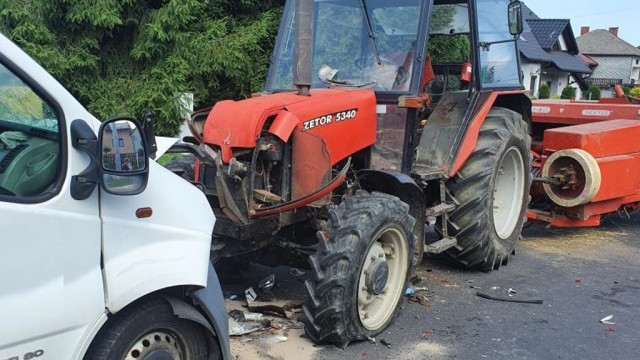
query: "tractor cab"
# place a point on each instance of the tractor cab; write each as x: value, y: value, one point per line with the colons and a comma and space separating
x: 413, y: 54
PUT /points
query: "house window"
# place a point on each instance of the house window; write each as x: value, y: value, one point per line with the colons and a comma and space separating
x: 637, y: 61
x: 121, y: 142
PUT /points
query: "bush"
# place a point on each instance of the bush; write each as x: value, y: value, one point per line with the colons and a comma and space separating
x: 544, y: 92
x: 635, y: 92
x: 568, y: 93
x: 626, y: 89
x: 593, y: 93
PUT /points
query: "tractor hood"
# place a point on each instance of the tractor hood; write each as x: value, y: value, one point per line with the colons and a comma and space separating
x: 340, y: 117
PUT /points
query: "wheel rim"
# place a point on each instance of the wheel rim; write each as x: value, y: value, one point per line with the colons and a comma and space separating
x: 382, y: 278
x: 156, y: 345
x: 507, y: 193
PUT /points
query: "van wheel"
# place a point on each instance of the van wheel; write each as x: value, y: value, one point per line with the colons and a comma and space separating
x: 150, y: 331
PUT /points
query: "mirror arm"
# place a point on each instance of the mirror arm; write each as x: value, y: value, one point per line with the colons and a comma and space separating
x: 149, y: 134
x: 84, y: 139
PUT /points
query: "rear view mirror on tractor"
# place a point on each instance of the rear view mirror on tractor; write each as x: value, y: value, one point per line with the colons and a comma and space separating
x: 515, y: 18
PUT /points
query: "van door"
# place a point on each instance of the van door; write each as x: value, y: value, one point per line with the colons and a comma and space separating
x: 51, y: 290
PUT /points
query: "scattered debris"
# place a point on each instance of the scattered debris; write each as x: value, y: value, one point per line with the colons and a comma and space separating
x: 385, y: 343
x: 278, y: 339
x: 426, y: 332
x: 523, y: 301
x: 607, y: 320
x: 242, y: 328
x: 578, y: 281
x: 250, y: 295
x: 371, y: 340
x: 475, y: 287
x: 296, y: 272
x: 495, y: 288
x: 267, y: 283
x: 419, y: 298
x: 609, y: 329
x: 233, y: 297
x: 284, y: 311
x: 410, y: 291
x: 253, y: 317
x: 511, y: 291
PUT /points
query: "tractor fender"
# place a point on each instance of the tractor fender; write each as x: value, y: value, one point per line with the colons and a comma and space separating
x: 396, y: 184
x: 517, y: 101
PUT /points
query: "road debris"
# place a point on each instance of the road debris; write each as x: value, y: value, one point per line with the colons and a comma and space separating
x: 607, y: 320
x: 609, y: 329
x: 267, y: 283
x: 277, y: 339
x: 242, y: 328
x: 420, y: 299
x: 285, y: 311
x: 296, y: 272
x: 250, y: 295
x: 385, y: 343
x: 511, y: 291
x: 371, y: 339
x: 410, y: 291
x: 522, y: 301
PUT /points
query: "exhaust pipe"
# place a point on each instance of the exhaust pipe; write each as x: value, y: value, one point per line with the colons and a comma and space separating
x: 303, y: 46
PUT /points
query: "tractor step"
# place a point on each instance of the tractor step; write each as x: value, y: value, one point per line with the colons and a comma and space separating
x: 440, y: 209
x: 441, y: 246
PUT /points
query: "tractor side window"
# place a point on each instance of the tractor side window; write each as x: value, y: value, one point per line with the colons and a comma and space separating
x: 29, y: 141
x: 498, y: 54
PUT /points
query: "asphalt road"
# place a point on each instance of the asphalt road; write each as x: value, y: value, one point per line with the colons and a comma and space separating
x: 582, y: 276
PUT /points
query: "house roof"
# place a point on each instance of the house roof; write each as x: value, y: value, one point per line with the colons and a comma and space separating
x: 588, y: 60
x: 547, y: 32
x: 602, y: 42
x: 531, y: 48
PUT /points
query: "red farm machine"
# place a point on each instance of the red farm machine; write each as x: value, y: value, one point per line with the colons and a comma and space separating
x: 586, y: 160
x: 416, y: 114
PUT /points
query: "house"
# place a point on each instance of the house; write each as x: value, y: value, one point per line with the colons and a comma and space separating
x: 549, y: 55
x: 617, y: 61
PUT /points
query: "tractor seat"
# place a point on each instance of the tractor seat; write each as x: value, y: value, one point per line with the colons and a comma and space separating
x: 30, y: 167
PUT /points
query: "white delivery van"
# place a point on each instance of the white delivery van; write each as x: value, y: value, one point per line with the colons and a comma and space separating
x: 104, y: 254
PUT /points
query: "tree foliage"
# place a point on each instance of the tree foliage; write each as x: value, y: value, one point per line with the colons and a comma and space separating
x: 128, y: 56
x: 593, y: 93
x: 635, y: 92
x: 568, y: 92
x: 544, y: 92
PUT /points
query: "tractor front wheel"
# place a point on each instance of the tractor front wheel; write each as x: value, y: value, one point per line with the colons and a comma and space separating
x: 491, y: 193
x: 361, y: 269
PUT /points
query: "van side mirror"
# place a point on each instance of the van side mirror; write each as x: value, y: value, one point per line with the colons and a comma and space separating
x: 516, y: 26
x: 124, y: 157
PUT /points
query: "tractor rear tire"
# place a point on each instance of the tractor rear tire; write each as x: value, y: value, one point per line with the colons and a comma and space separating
x: 491, y: 193
x: 361, y: 269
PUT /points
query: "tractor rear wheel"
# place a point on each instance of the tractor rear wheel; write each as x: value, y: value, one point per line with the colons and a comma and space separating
x: 361, y: 269
x: 491, y: 193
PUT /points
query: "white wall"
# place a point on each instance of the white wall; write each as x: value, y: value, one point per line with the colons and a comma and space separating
x: 531, y: 70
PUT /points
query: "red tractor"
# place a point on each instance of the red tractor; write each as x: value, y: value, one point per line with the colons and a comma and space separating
x: 417, y: 113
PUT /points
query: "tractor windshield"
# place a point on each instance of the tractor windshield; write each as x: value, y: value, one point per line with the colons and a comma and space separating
x: 341, y: 41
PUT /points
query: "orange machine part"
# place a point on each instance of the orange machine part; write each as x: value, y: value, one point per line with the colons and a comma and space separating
x: 238, y: 124
x: 615, y: 147
x: 569, y: 112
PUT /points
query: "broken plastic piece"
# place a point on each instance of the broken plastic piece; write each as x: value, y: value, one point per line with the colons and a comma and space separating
x: 267, y: 283
x: 607, y: 320
x: 250, y: 295
x: 385, y: 343
x: 296, y: 272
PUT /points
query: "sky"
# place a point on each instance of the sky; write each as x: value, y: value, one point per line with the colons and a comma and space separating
x: 597, y: 14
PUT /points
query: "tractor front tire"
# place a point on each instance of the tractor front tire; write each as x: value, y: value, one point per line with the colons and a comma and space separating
x: 491, y: 193
x: 361, y: 269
